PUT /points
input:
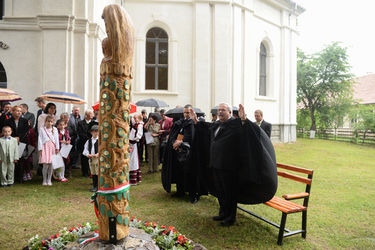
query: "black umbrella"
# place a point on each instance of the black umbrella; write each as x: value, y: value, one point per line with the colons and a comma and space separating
x: 151, y: 102
x: 214, y: 109
x: 179, y: 112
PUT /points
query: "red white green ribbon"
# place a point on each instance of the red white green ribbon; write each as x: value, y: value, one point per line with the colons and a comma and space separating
x: 114, y: 190
x: 96, y: 235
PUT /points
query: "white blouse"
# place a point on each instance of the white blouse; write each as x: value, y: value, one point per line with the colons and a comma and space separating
x: 46, y: 135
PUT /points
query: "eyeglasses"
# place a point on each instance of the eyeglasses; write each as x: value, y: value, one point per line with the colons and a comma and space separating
x: 222, y: 110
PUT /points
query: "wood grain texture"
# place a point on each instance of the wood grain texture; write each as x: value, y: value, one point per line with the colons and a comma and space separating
x: 114, y: 110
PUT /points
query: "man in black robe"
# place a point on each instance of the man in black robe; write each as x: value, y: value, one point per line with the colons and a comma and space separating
x: 177, y: 154
x: 242, y: 161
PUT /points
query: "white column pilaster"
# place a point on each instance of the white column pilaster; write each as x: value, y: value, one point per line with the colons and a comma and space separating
x: 202, y: 56
x: 222, y: 52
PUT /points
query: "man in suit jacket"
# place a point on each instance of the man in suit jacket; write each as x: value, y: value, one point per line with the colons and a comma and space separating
x: 27, y: 115
x: 41, y: 105
x: 267, y: 127
x: 74, y: 118
x: 83, y: 135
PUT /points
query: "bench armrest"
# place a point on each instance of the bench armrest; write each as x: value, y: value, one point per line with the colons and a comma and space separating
x: 295, y: 196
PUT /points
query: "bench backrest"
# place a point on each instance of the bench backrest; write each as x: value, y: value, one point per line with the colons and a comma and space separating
x: 306, y: 180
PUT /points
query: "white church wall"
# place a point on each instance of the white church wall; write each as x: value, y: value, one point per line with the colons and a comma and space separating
x: 172, y: 18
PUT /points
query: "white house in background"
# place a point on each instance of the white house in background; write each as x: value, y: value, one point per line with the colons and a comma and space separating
x: 201, y: 52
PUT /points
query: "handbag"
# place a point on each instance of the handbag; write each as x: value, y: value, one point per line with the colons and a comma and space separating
x: 57, y: 161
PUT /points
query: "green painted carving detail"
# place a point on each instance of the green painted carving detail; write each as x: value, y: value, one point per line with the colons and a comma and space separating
x: 113, y: 85
x: 120, y: 93
x: 102, y: 209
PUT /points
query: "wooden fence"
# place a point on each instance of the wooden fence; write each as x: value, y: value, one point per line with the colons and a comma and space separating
x: 341, y: 134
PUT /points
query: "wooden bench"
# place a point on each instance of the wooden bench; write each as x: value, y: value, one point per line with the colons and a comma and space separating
x: 285, y: 205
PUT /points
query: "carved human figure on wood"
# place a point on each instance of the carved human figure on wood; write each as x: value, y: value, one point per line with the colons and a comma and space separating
x: 115, y: 81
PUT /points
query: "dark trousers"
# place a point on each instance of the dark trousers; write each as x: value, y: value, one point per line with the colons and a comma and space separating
x: 180, y: 177
x: 85, y: 166
x: 225, y: 181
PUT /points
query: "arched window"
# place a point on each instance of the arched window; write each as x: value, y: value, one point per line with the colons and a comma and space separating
x: 2, y: 8
x: 157, y: 59
x: 3, y: 77
x: 262, y: 70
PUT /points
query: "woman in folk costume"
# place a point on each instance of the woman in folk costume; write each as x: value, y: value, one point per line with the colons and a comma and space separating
x: 48, y: 145
x: 135, y: 135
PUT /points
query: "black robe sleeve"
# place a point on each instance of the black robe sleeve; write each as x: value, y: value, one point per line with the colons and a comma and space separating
x: 257, y: 173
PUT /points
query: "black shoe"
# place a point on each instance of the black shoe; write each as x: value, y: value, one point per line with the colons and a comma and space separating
x: 218, y: 218
x: 194, y: 200
x: 3, y: 186
x: 227, y: 223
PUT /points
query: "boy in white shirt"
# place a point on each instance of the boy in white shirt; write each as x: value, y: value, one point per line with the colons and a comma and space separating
x: 91, y: 151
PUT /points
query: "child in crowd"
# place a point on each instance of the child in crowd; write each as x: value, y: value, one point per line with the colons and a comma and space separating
x: 48, y: 145
x: 8, y: 156
x: 91, y: 151
x: 64, y: 138
x: 27, y: 157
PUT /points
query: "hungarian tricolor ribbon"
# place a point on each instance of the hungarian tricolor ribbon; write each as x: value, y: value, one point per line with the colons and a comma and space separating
x: 106, y: 192
x: 96, y: 235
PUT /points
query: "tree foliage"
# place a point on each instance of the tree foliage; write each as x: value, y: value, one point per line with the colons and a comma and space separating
x: 324, y: 85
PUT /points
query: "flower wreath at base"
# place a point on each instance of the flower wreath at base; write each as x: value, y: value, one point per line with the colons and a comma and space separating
x: 164, y: 237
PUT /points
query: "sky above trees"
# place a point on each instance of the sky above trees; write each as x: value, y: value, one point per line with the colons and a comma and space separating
x: 350, y: 22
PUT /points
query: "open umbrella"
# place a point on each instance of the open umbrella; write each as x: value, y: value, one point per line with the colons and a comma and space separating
x: 179, y: 112
x: 8, y: 95
x: 133, y: 107
x: 64, y: 97
x: 151, y: 102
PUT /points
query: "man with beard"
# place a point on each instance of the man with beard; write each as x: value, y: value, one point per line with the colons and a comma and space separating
x: 177, y: 154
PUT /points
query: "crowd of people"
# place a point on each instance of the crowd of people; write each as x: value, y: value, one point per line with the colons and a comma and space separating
x: 42, y: 136
x: 196, y: 155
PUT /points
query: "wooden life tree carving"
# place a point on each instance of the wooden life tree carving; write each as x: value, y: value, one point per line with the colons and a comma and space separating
x: 115, y: 81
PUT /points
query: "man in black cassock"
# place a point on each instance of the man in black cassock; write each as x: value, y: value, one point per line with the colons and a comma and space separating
x: 242, y: 162
x: 177, y: 154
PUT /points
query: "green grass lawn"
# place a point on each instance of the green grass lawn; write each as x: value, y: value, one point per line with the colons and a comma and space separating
x: 341, y: 210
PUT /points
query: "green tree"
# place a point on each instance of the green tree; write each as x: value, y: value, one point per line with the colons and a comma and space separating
x: 363, y: 117
x: 323, y: 84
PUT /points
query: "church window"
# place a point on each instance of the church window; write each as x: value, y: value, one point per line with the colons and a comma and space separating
x: 2, y: 7
x: 262, y: 70
x: 3, y: 77
x: 156, y: 59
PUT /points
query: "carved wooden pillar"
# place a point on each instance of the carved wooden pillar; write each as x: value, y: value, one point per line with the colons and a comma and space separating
x: 115, y: 82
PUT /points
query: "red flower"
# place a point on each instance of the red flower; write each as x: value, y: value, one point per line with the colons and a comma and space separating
x: 181, y: 239
x: 43, y: 242
x: 57, y: 235
x: 162, y: 226
x: 170, y: 228
x: 139, y: 219
x: 147, y: 223
x: 154, y: 224
x: 133, y: 217
x: 52, y: 237
x: 165, y: 232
